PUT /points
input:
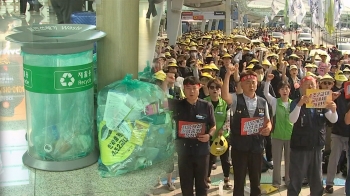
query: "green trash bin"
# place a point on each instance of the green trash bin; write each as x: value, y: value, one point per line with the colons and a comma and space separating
x: 58, y: 79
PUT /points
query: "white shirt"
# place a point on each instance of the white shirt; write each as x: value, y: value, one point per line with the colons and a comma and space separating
x: 251, y: 105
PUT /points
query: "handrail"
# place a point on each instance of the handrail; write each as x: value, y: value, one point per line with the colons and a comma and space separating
x: 333, y: 39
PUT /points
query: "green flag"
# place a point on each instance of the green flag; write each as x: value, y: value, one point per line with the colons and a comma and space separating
x: 286, y: 14
x: 330, y: 17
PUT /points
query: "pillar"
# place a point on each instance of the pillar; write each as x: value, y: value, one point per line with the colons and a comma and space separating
x: 210, y: 24
x: 228, y: 14
x: 117, y: 53
x: 179, y: 32
x: 217, y: 24
x: 174, y: 19
x: 203, y: 25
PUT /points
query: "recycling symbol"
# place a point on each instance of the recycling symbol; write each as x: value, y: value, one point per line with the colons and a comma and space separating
x: 67, y: 77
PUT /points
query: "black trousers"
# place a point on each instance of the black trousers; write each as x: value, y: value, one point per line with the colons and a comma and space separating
x: 65, y: 8
x: 151, y: 9
x: 23, y: 6
x: 268, y: 148
x: 193, y: 169
x: 243, y: 161
x: 225, y: 162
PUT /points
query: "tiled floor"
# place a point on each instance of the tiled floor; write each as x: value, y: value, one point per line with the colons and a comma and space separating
x: 19, y: 180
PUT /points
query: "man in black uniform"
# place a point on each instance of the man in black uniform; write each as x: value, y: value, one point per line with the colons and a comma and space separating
x: 195, y: 125
x: 250, y: 122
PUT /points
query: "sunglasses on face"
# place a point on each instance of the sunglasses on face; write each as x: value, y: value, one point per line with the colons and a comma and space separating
x: 327, y: 83
x: 214, y: 87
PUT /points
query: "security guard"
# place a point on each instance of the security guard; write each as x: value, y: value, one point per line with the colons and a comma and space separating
x: 250, y: 122
x: 307, y: 141
x: 195, y: 125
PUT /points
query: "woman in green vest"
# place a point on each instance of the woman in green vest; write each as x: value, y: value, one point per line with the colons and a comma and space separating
x: 282, y: 132
x: 222, y: 124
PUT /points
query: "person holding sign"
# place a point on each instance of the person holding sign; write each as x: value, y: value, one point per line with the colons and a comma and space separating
x: 195, y: 125
x: 327, y: 83
x: 250, y: 122
x: 222, y: 120
x: 282, y: 130
x: 308, y: 139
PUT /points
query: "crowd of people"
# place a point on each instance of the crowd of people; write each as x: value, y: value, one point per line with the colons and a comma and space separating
x: 254, y: 93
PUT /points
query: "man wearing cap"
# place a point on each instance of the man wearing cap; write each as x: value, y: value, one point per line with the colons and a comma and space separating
x: 307, y: 141
x: 195, y: 125
x: 223, y: 69
x: 340, y: 78
x: 247, y: 143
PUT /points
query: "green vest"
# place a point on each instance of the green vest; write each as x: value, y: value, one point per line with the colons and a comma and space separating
x: 283, y: 127
x: 220, y: 113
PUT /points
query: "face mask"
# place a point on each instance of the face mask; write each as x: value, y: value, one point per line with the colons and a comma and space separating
x: 260, y: 77
x: 313, y: 69
x: 194, y: 54
x: 347, y: 75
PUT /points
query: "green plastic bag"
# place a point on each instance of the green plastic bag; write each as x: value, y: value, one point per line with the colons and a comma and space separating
x: 135, y: 130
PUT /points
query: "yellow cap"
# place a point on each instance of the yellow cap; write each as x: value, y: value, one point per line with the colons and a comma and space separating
x: 193, y: 44
x: 340, y: 77
x: 213, y: 66
x: 294, y: 56
x: 309, y: 73
x: 167, y: 54
x: 172, y: 60
x: 293, y: 67
x: 266, y: 62
x: 346, y: 70
x: 273, y: 55
x: 209, y: 56
x: 207, y: 67
x: 246, y: 49
x: 226, y: 55
x: 207, y: 75
x: 250, y: 66
x: 254, y: 61
x: 219, y: 146
x: 193, y: 48
x: 160, y: 75
x: 172, y: 65
x: 309, y: 65
x: 327, y: 77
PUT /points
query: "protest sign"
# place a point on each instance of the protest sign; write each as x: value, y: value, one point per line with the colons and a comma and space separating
x: 251, y: 126
x: 190, y: 129
x: 318, y: 98
x: 347, y: 90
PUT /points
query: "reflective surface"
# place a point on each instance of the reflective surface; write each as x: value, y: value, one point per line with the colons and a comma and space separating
x: 19, y: 180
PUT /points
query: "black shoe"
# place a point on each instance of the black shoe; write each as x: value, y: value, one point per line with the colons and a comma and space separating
x: 329, y: 189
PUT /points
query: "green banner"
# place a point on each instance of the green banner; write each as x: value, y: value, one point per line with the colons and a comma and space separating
x: 58, y: 80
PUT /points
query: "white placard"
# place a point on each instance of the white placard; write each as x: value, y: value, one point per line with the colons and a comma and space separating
x: 115, y: 111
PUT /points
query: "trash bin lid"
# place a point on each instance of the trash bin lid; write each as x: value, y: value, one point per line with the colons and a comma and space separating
x: 56, y: 37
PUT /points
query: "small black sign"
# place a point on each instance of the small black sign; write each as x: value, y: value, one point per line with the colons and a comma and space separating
x: 216, y: 13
